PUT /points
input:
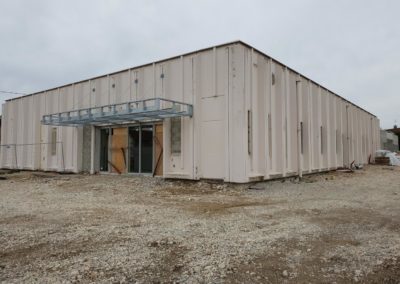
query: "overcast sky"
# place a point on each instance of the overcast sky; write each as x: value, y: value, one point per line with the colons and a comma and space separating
x: 350, y: 47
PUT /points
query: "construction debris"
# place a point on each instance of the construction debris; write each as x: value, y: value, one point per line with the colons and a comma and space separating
x: 385, y: 157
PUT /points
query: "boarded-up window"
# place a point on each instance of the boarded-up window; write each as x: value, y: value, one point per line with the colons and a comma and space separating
x: 176, y: 135
x: 54, y: 141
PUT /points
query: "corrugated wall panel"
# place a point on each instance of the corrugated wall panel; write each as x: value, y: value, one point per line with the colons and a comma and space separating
x: 324, y: 129
x: 259, y: 115
x: 187, y: 141
x: 146, y: 86
x: 237, y: 117
x: 339, y: 133
x: 268, y: 113
x: 291, y: 121
x: 212, y: 115
x: 20, y: 129
x: 68, y: 134
x: 332, y: 131
x: 7, y: 154
x: 171, y: 80
x: 27, y: 159
x: 278, y: 134
x: 36, y: 130
x: 43, y: 132
x: 315, y: 124
x: 305, y: 119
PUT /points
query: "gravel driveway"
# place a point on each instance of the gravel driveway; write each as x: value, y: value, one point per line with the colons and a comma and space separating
x: 332, y: 227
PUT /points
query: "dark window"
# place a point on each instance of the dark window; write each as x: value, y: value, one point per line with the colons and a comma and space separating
x: 53, y: 141
x: 104, y: 133
x: 176, y: 135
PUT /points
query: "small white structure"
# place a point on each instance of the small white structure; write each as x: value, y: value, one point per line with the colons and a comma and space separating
x: 389, y: 141
x: 228, y: 112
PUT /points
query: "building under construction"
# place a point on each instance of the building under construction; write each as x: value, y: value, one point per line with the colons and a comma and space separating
x: 227, y: 112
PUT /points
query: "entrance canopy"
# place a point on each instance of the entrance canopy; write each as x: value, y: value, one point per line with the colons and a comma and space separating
x: 134, y: 111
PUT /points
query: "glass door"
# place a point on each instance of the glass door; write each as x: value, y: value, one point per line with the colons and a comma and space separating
x: 146, y: 149
x: 104, y: 133
x: 134, y: 144
x: 141, y: 149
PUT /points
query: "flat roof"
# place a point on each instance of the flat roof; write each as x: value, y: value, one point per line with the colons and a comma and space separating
x: 394, y: 130
x: 189, y: 53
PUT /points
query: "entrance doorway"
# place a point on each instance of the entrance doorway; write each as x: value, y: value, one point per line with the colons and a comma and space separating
x: 140, y: 149
x: 132, y: 149
x: 104, y: 136
x: 146, y: 146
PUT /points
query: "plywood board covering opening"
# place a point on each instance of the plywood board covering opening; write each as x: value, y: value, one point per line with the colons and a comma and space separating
x: 119, y: 141
x: 158, y: 142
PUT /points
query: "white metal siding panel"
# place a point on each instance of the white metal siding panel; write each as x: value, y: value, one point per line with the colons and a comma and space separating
x: 339, y: 132
x: 146, y: 86
x: 7, y: 152
x: 171, y: 82
x: 174, y: 81
x: 20, y: 132
x: 43, y: 132
x: 113, y: 89
x: 259, y: 117
x: 187, y: 142
x: 68, y: 134
x: 291, y: 124
x: 315, y: 124
x: 119, y: 88
x: 237, y: 117
x: 212, y: 115
x: 324, y: 124
x: 28, y: 133
x: 332, y: 131
x: 36, y: 131
x: 305, y: 118
x: 4, y: 128
x: 278, y: 137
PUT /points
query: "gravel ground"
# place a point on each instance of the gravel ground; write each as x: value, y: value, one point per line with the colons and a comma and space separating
x: 333, y: 227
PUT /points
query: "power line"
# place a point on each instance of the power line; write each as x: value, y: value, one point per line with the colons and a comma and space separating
x: 14, y: 93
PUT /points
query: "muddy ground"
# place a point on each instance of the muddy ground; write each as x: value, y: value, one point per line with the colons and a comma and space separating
x: 326, y: 228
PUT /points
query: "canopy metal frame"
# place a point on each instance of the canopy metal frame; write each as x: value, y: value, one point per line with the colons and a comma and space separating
x: 135, y: 111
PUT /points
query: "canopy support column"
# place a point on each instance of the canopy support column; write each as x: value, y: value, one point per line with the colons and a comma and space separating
x: 92, y: 148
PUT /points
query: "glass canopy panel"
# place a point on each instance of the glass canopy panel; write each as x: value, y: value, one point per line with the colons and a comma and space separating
x: 134, y: 111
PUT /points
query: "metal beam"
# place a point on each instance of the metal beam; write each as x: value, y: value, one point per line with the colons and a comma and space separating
x: 134, y: 111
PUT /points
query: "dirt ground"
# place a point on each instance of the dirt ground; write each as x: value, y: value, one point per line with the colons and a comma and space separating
x: 327, y: 228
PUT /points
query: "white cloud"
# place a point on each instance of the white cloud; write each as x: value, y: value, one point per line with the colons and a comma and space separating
x: 351, y: 47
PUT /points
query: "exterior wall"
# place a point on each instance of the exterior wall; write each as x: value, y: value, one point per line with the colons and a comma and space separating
x: 246, y: 122
x: 335, y: 132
